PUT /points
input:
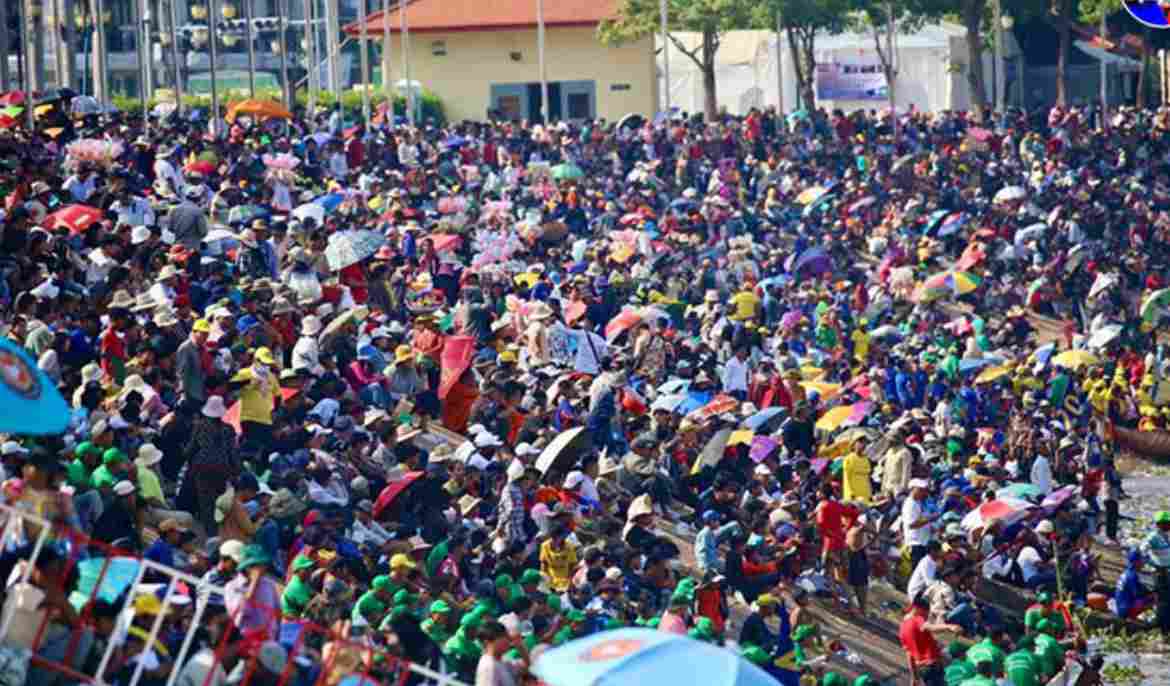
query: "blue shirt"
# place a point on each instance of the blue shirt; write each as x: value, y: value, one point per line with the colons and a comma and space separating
x: 1129, y: 591
x: 161, y: 552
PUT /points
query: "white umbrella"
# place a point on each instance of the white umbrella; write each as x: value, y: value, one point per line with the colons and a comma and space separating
x: 1030, y: 233
x: 312, y: 210
x: 1103, y: 336
x: 1102, y: 283
x: 1010, y: 194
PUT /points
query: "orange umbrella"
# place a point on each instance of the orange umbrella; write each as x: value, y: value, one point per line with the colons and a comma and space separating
x: 258, y: 109
x: 76, y: 218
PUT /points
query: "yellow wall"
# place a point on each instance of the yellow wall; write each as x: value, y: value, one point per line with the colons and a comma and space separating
x: 475, y: 60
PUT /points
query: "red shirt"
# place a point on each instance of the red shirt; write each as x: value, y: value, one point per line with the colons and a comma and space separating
x: 917, y: 641
x: 831, y: 519
x: 113, y: 350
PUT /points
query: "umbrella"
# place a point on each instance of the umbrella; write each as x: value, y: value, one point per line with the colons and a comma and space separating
x: 631, y: 121
x: 718, y: 405
x: 1025, y: 491
x: 1060, y: 496
x: 1007, y: 510
x: 1105, y: 335
x: 455, y: 142
x: 567, y: 172
x: 669, y: 403
x: 675, y: 386
x: 55, y: 95
x: 341, y: 320
x: 12, y: 98
x: 826, y: 391
x: 32, y: 404
x: 903, y: 162
x: 12, y: 111
x: 712, y: 452
x: 562, y: 452
x: 972, y: 255
x: 1044, y: 353
x: 119, y: 575
x: 1010, y: 194
x: 817, y: 204
x: 953, y: 223
x: 935, y: 219
x: 389, y: 495
x: 1154, y: 304
x: 76, y: 218
x: 1075, y: 359
x: 350, y: 247
x: 862, y: 204
x: 244, y: 214
x: 204, y: 167
x: 683, y: 205
x: 757, y: 421
x: 762, y: 447
x: 939, y: 285
x: 1033, y: 232
x: 972, y: 363
x: 219, y: 234
x: 625, y: 321
x: 330, y: 201
x: 834, y: 417
x: 257, y: 109
x: 310, y: 210
x: 637, y: 655
x: 885, y: 331
x: 811, y: 195
x: 992, y: 374
x: 814, y: 260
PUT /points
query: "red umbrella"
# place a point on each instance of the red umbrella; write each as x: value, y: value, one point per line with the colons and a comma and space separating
x: 12, y: 98
x: 625, y: 321
x: 200, y: 167
x: 76, y: 218
x: 390, y: 494
x: 7, y: 122
x: 718, y: 405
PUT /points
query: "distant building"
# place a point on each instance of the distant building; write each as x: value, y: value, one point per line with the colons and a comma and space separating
x: 480, y: 56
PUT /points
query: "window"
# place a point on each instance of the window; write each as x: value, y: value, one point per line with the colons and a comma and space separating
x: 579, y: 106
x: 509, y: 106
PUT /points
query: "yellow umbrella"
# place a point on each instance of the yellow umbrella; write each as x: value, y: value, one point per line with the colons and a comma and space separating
x: 992, y: 373
x: 741, y: 437
x: 54, y: 131
x: 1075, y: 359
x: 42, y: 109
x: 811, y: 373
x: 834, y: 450
x: 827, y: 391
x: 810, y: 194
x: 527, y: 279
x: 834, y: 417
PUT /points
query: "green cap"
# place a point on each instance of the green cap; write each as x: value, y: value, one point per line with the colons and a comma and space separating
x: 440, y: 607
x: 575, y: 616
x: 113, y: 456
x: 705, y: 627
x: 380, y: 582
x: 613, y: 623
x: 254, y: 555
x: 553, y: 601
x: 530, y: 576
x: 1044, y: 626
x: 471, y: 620
x: 834, y: 679
x: 504, y: 580
x: 405, y: 597
x: 303, y: 562
x: 653, y: 623
x: 755, y: 655
x: 84, y: 448
x: 863, y: 680
x: 1162, y: 517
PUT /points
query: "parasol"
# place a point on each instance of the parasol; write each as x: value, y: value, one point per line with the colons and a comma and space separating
x: 761, y: 419
x: 953, y: 223
x: 76, y: 218
x: 1010, y: 194
x: 119, y: 575
x: 862, y: 204
x: 389, y: 495
x: 810, y: 195
x: 562, y: 452
x: 567, y: 172
x: 244, y: 214
x: 310, y: 210
x: 32, y: 405
x: 712, y: 453
x: 626, y: 320
x: 1075, y: 359
x: 1105, y: 335
x: 762, y: 447
x: 1060, y: 496
x: 1103, y: 282
x: 1007, y: 510
x: 1154, y: 304
x: 993, y: 374
x: 351, y: 247
x: 1021, y: 490
x: 814, y: 260
x: 257, y: 109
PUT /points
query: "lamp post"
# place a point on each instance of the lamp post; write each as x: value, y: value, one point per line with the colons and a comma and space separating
x: 251, y: 48
x: 663, y: 17
x: 311, y: 55
x: 1006, y: 23
x: 4, y: 47
x: 365, y: 62
x: 544, y: 113
x: 404, y: 36
x: 174, y: 40
x: 213, y: 59
x: 282, y: 48
x: 145, y: 60
x: 25, y: 42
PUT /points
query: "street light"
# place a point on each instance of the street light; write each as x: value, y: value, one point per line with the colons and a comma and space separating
x: 228, y: 12
x: 198, y: 12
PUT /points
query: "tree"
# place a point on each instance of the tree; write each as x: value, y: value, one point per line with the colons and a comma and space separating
x: 901, y: 16
x: 972, y: 14
x: 710, y: 18
x: 803, y: 21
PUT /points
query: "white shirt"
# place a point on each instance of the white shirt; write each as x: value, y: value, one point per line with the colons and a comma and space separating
x: 331, y: 493
x: 79, y: 189
x: 136, y: 212
x: 306, y: 354
x: 735, y: 375
x: 1041, y: 476
x: 922, y: 577
x: 372, y: 534
x: 912, y: 511
x: 1029, y: 560
x: 164, y: 170
x: 492, y: 671
x: 587, y: 362
x: 162, y: 294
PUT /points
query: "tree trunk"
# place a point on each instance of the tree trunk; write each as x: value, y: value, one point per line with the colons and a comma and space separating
x: 1143, y: 75
x: 710, y: 94
x: 801, y: 44
x: 972, y: 20
x: 1064, y: 29
x: 810, y: 61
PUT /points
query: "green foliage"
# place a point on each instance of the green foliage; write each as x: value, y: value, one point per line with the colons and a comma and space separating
x: 640, y: 18
x: 428, y: 103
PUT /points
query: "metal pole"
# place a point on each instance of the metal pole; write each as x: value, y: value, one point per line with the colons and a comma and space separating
x: 404, y: 37
x: 1104, y: 76
x: 61, y: 48
x: 212, y: 59
x: 311, y: 56
x: 26, y: 48
x: 387, y: 82
x: 251, y: 48
x: 365, y: 46
x: 174, y: 20
x: 144, y: 58
x: 282, y: 40
x: 332, y: 57
x: 4, y: 40
x: 663, y: 17
x: 779, y: 64
x: 544, y: 113
x: 998, y: 57
x: 892, y: 78
x: 37, y: 51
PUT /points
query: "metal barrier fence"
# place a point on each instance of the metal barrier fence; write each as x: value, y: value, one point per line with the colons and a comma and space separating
x: 340, y: 660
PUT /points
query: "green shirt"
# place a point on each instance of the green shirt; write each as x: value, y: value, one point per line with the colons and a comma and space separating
x: 462, y: 649
x: 78, y: 476
x: 957, y: 672
x: 367, y: 606
x: 1022, y: 668
x: 295, y: 597
x: 979, y: 681
x: 1049, y: 654
x: 103, y: 478
x: 1037, y: 613
x: 435, y: 631
x: 985, y: 651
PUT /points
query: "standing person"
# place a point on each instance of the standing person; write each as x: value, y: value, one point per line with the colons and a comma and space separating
x: 189, y: 362
x: 833, y: 518
x: 857, y: 564
x: 1156, y: 548
x: 923, y: 654
x: 855, y: 474
x: 259, y: 393
x: 253, y: 598
x: 916, y: 530
x: 213, y: 462
x: 491, y: 669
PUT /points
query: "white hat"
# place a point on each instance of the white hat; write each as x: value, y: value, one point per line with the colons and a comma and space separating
x: 149, y: 455
x: 139, y: 235
x: 310, y: 325
x: 232, y: 549
x: 13, y: 448
x: 123, y: 488
x: 214, y: 407
x: 919, y: 483
x: 478, y: 462
x: 90, y: 373
x: 523, y: 449
x: 1045, y: 527
x: 476, y: 429
x: 465, y: 450
x: 639, y: 506
x: 324, y: 310
x: 607, y: 466
x: 440, y: 454
x: 574, y: 479
x: 487, y: 440
x: 515, y: 471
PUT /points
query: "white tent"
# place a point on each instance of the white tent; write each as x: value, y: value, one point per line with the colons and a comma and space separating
x: 931, y: 63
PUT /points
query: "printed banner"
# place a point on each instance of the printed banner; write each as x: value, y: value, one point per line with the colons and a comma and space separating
x: 851, y: 80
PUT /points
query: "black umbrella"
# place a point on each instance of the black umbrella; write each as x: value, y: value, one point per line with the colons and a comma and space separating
x: 55, y: 95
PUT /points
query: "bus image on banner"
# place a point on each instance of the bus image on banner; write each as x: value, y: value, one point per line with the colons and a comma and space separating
x: 851, y: 81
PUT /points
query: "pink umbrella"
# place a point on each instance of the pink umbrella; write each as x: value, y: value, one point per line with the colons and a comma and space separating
x: 858, y: 413
x: 1008, y: 510
x: 1059, y: 497
x: 625, y: 321
x: 762, y: 447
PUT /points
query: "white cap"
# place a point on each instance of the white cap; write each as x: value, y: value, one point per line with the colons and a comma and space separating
x: 919, y: 483
x: 13, y: 448
x: 123, y: 488
x: 523, y: 449
x: 574, y: 479
x: 487, y: 440
x: 140, y: 234
x: 1045, y: 527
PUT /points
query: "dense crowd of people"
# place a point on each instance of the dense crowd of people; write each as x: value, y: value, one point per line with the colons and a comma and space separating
x: 463, y: 393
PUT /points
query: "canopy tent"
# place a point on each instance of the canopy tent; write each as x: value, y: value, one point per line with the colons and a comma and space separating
x: 1112, y: 59
x: 931, y: 64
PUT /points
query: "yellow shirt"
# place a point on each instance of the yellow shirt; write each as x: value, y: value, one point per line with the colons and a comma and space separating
x: 258, y: 398
x: 558, y: 565
x: 855, y: 470
x: 746, y: 303
x: 148, y: 484
x: 860, y: 344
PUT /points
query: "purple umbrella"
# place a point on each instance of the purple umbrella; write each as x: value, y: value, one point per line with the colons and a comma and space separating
x: 1059, y: 497
x: 814, y: 260
x: 762, y: 447
x: 790, y: 319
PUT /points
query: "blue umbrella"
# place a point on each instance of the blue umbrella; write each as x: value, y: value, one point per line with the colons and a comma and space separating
x: 1044, y: 353
x: 695, y: 400
x: 119, y: 575
x: 762, y: 417
x: 331, y: 201
x: 970, y: 365
x: 32, y: 404
x: 629, y: 656
x: 455, y: 142
x: 683, y: 205
x: 675, y: 386
x: 953, y: 223
x: 935, y: 219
